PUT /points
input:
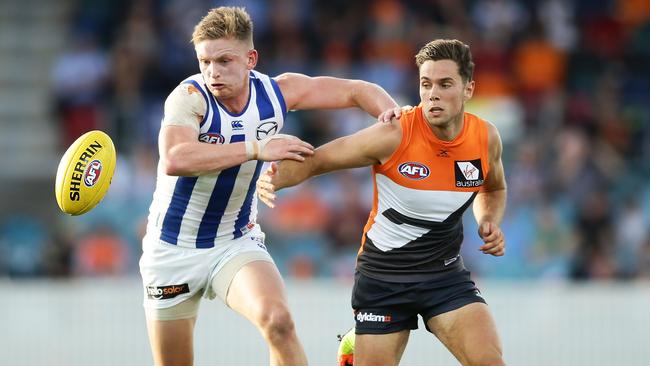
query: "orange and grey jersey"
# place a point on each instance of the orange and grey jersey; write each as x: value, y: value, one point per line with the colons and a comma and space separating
x: 415, y: 228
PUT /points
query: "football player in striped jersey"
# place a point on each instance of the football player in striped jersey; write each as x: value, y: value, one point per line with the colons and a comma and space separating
x: 202, y: 237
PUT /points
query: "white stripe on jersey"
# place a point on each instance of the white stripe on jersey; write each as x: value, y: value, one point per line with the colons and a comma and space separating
x: 200, y: 212
x: 418, y: 204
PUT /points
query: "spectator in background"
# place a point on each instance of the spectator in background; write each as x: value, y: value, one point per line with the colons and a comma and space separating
x: 602, y: 98
x: 101, y: 252
x: 79, y: 80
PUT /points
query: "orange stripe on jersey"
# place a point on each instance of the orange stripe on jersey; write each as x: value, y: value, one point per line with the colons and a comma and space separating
x: 441, y: 158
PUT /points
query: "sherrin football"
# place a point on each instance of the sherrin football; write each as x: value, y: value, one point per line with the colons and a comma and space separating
x: 85, y: 172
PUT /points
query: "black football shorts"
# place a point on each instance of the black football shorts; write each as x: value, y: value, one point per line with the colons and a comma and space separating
x: 382, y: 307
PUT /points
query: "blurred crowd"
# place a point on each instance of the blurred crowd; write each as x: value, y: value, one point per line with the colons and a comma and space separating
x: 566, y: 82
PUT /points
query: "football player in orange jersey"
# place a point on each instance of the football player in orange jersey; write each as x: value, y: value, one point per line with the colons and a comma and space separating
x: 428, y: 168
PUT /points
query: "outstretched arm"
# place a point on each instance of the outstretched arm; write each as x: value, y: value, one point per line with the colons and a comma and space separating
x: 324, y: 92
x: 372, y: 145
x: 182, y: 154
x: 490, y: 203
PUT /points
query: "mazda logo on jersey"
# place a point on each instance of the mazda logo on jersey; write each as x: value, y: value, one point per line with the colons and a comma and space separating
x: 468, y: 173
x: 266, y: 129
x: 413, y: 170
x: 211, y: 138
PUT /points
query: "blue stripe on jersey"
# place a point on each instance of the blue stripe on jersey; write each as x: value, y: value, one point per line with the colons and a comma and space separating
x: 171, y: 226
x: 218, y: 201
x: 245, y: 211
x: 205, y: 115
x: 215, y: 127
x: 280, y: 97
x: 264, y: 105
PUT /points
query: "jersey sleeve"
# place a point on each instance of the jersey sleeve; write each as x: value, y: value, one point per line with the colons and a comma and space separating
x: 185, y: 106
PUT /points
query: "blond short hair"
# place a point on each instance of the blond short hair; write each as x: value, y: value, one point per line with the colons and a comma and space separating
x: 448, y: 49
x: 224, y: 22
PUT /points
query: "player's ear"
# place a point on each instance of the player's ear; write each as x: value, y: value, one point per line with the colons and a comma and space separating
x: 468, y: 90
x: 252, y: 59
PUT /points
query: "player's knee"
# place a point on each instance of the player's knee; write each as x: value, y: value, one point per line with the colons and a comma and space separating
x: 487, y: 359
x: 275, y: 322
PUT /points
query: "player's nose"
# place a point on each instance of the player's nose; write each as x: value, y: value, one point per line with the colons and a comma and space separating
x: 433, y: 97
x: 213, y: 70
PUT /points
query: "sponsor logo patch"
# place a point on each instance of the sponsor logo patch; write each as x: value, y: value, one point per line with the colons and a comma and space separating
x: 451, y: 260
x: 413, y: 170
x: 237, y: 125
x: 266, y: 129
x: 167, y: 292
x: 468, y: 173
x: 91, y: 175
x: 211, y: 138
x: 370, y: 317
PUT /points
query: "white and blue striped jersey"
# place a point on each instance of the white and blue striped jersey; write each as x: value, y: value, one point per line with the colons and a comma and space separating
x: 201, y: 212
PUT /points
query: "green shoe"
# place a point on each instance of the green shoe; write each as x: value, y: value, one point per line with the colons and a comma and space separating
x: 346, y: 348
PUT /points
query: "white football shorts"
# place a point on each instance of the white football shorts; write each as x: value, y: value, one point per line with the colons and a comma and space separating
x: 173, y: 274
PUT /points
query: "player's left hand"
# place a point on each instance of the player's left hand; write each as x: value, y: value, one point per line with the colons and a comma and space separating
x: 493, y: 238
x: 265, y: 187
x: 394, y: 113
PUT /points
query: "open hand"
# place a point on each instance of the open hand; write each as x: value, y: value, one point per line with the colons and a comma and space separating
x: 280, y: 147
x: 265, y: 187
x: 388, y: 115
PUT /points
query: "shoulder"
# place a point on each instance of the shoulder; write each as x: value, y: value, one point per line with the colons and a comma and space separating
x: 289, y: 82
x: 187, y: 93
x: 490, y: 129
x: 381, y: 140
x: 493, y: 137
x: 186, y: 105
x: 288, y: 78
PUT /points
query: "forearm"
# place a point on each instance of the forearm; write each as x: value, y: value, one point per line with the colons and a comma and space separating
x: 194, y: 159
x: 342, y: 153
x: 490, y: 206
x: 291, y: 172
x: 371, y: 98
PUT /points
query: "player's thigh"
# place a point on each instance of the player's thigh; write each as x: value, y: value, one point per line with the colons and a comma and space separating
x: 380, y: 349
x: 257, y: 289
x: 171, y: 341
x: 470, y: 333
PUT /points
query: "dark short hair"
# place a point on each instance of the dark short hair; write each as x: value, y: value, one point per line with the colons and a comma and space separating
x: 448, y: 49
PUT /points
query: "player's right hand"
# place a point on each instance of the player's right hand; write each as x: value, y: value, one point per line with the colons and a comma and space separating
x: 280, y: 147
x: 493, y: 238
x: 394, y: 113
x: 265, y: 187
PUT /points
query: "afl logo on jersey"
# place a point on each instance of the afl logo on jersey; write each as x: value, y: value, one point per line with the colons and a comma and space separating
x: 211, y: 138
x: 91, y: 175
x: 266, y: 129
x: 413, y: 170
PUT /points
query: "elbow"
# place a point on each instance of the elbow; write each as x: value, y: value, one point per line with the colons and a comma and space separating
x: 173, y: 167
